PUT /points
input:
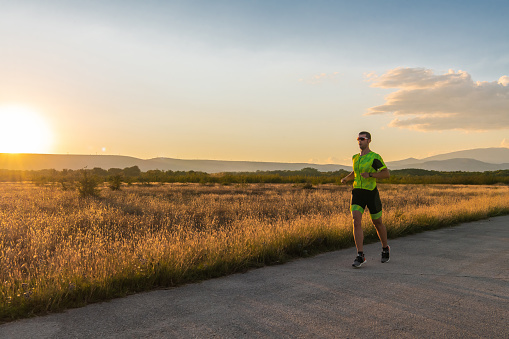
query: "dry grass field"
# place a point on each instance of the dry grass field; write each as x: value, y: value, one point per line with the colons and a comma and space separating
x: 58, y: 250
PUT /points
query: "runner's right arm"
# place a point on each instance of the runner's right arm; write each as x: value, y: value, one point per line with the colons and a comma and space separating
x: 349, y: 177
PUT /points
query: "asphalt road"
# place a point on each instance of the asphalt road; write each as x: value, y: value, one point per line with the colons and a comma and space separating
x: 450, y: 283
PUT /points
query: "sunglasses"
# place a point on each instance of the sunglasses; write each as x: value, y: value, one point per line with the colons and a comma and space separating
x: 361, y: 139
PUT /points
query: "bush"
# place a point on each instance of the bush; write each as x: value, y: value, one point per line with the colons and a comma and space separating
x: 308, y: 186
x: 88, y: 185
x: 66, y: 184
x: 115, y: 182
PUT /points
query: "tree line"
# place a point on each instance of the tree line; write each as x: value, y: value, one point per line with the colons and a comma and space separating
x: 308, y: 175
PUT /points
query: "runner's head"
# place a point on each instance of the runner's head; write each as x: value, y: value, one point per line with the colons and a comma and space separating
x: 364, y: 139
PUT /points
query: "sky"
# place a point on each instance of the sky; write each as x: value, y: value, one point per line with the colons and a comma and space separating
x: 278, y: 81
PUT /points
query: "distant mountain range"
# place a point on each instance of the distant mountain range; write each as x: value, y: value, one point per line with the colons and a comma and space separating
x: 475, y: 160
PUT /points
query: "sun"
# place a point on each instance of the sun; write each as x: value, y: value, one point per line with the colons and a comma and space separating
x: 23, y: 130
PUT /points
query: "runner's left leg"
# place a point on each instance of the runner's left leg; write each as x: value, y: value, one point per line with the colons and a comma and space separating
x: 381, y: 230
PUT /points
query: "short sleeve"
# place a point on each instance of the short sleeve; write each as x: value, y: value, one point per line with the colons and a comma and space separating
x: 378, y: 164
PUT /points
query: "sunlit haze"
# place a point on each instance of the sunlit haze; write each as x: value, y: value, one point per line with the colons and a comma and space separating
x: 284, y: 81
x: 23, y: 131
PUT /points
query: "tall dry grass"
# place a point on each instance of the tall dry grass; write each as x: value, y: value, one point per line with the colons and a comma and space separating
x: 58, y: 250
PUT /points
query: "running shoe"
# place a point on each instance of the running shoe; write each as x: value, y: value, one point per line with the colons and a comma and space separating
x: 359, y: 261
x: 385, y: 255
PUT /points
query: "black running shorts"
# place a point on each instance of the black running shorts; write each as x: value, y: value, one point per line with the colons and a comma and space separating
x: 362, y: 198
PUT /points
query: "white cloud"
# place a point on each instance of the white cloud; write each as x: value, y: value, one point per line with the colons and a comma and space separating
x: 332, y: 160
x: 504, y: 143
x: 443, y: 102
x: 318, y: 78
x: 328, y: 161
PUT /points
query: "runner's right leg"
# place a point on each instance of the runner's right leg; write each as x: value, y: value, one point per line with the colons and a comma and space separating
x: 358, y: 234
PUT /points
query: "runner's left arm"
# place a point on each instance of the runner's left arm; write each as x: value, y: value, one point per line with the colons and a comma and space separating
x: 382, y: 174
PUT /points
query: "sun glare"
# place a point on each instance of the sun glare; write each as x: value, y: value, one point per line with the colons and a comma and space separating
x: 23, y: 130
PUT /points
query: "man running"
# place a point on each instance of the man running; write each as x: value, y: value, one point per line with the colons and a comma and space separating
x: 367, y: 167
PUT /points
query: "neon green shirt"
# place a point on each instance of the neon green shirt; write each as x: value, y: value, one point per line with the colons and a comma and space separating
x: 370, y: 163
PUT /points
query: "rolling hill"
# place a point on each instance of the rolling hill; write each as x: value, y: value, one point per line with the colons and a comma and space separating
x: 75, y: 162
